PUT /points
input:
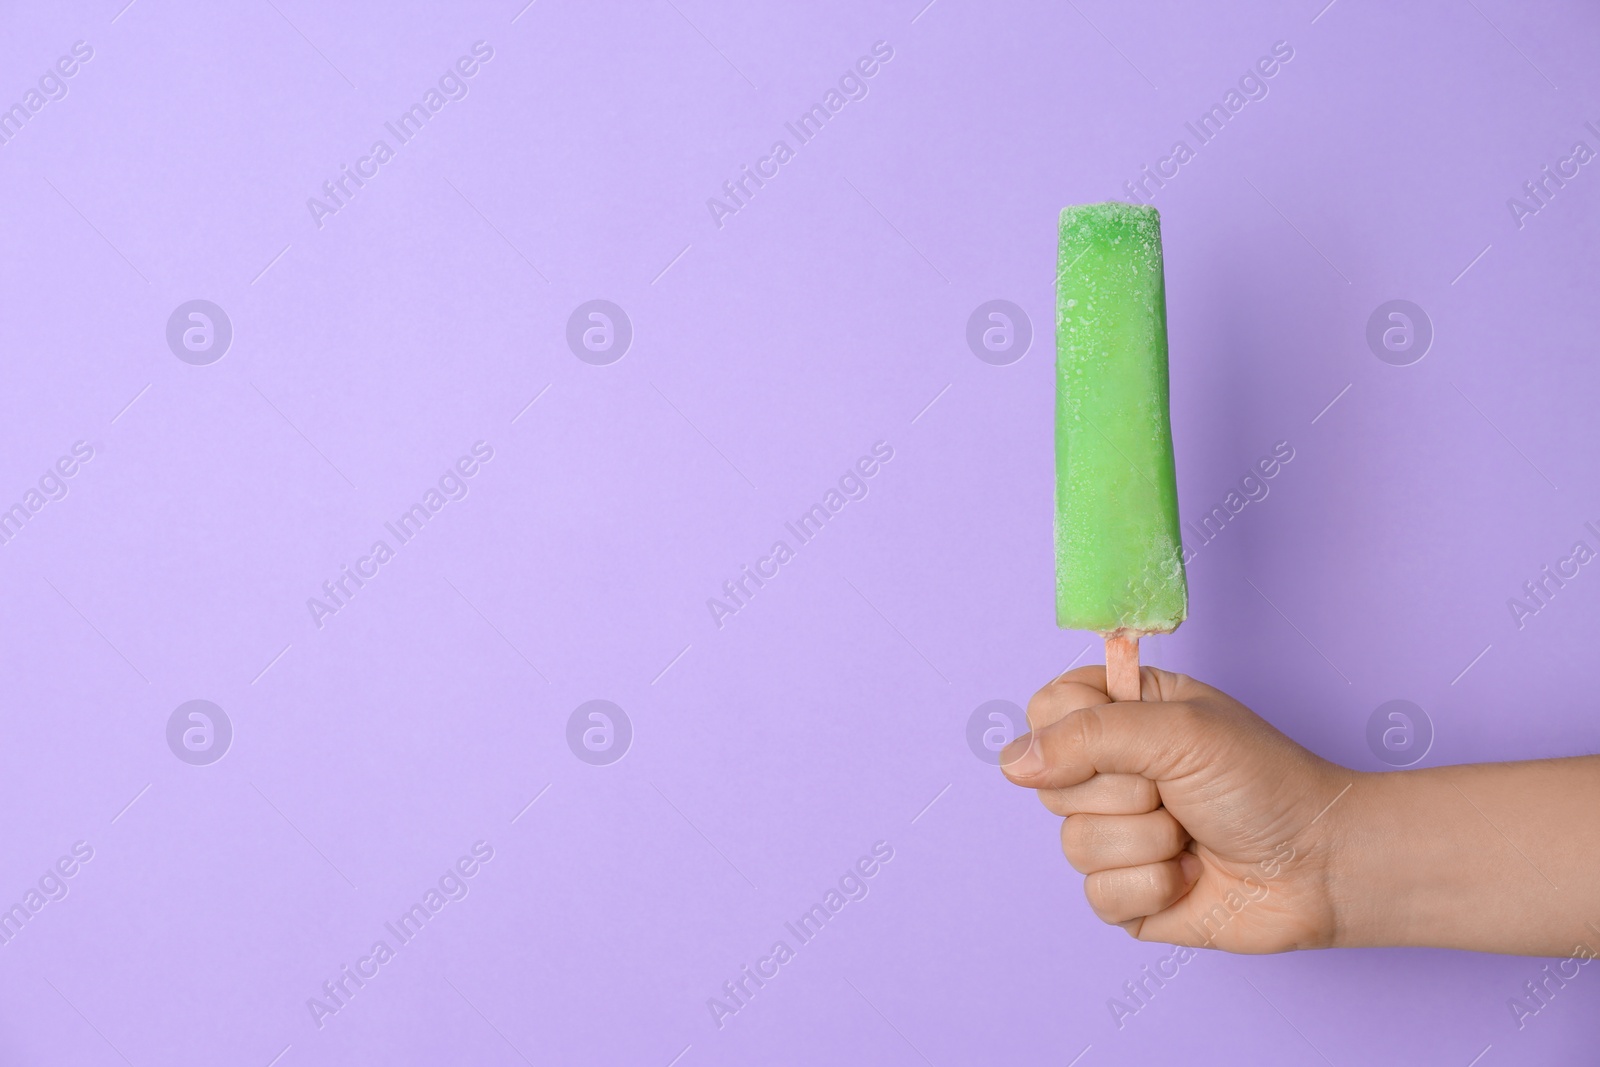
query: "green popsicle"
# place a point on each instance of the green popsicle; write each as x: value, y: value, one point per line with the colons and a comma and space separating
x: 1119, y: 555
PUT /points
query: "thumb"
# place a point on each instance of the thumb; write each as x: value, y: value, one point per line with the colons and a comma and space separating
x: 1146, y: 738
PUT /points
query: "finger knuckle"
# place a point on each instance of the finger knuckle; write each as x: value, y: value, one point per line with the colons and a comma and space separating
x: 1170, y: 682
x: 1190, y: 716
x: 1101, y: 894
x: 1080, y: 729
x: 1111, y: 898
x: 1039, y: 706
x: 1076, y: 843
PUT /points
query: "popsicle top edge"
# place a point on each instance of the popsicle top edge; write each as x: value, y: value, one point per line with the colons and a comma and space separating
x: 1110, y: 208
x: 1087, y: 222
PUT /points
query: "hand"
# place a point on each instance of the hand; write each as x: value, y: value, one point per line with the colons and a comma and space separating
x: 1195, y: 821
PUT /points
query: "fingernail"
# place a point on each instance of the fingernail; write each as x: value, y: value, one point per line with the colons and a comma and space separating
x: 1022, y: 757
x: 1191, y: 867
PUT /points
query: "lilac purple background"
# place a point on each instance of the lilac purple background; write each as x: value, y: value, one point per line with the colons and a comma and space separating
x: 768, y: 356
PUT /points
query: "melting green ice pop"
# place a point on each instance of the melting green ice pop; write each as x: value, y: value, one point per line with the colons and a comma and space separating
x: 1119, y: 555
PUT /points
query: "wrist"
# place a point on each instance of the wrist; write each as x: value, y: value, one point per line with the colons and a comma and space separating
x: 1472, y: 856
x: 1369, y: 866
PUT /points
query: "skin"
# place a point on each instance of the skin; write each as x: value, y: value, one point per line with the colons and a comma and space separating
x: 1196, y: 822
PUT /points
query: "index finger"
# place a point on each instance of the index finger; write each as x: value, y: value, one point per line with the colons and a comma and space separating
x: 1084, y: 687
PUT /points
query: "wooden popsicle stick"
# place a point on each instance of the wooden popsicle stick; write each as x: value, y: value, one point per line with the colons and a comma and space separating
x: 1122, y: 667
